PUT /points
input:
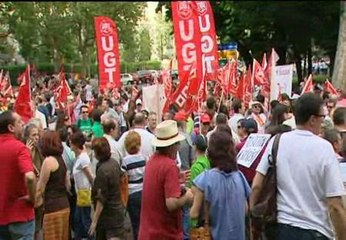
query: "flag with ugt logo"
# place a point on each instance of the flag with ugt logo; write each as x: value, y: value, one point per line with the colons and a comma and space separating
x: 107, y: 53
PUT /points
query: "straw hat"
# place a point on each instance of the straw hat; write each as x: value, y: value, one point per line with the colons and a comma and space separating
x: 167, y: 134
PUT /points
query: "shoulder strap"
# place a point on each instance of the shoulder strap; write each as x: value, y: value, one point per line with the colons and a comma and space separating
x: 274, y: 153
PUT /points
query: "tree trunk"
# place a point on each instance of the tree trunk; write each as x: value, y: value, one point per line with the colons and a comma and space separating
x: 339, y: 71
x: 299, y: 69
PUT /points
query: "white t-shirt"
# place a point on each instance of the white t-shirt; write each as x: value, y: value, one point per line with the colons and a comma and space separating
x: 80, y: 179
x: 307, y: 174
x: 115, y: 152
x: 42, y: 118
x: 147, y: 149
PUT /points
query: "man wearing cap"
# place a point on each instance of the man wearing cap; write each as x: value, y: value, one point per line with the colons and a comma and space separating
x: 204, y: 127
x: 162, y: 197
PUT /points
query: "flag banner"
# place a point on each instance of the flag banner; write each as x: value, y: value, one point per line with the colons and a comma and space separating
x: 270, y: 70
x: 194, y: 33
x: 283, y: 81
x: 258, y: 74
x: 330, y: 88
x: 23, y: 102
x: 308, y: 86
x: 107, y: 53
x: 63, y: 91
x: 248, y: 87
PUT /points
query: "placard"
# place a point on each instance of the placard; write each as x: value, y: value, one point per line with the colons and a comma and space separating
x: 252, y: 148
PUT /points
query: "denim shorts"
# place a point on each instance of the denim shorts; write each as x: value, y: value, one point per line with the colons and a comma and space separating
x: 19, y: 230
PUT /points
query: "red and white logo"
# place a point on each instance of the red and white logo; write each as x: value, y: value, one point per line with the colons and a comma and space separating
x: 184, y: 9
x: 106, y: 28
x: 201, y: 7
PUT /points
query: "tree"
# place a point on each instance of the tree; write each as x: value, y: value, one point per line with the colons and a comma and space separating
x: 339, y: 72
x: 144, y: 51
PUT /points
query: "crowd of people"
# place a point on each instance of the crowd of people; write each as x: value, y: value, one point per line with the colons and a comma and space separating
x: 104, y: 167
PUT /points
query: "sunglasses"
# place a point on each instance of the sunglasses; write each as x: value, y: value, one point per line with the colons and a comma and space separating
x: 320, y: 115
x: 257, y: 106
x: 85, y: 112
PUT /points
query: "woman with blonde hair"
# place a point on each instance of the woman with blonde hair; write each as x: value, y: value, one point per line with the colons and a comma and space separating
x: 134, y: 165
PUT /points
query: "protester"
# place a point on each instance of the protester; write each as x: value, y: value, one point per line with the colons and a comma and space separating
x: 84, y: 123
x: 108, y: 216
x: 162, y: 198
x: 134, y: 165
x: 304, y: 159
x: 333, y: 137
x: 147, y: 148
x: 257, y: 113
x: 97, y: 130
x: 83, y: 179
x: 224, y: 190
x: 152, y: 122
x: 238, y: 109
x: 17, y: 180
x: 52, y: 188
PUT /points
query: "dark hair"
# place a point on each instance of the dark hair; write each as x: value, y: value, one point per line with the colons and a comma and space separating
x: 97, y: 113
x: 273, y: 104
x: 224, y: 128
x: 236, y: 105
x: 50, y: 144
x: 99, y: 101
x: 102, y: 149
x: 331, y: 135
x: 278, y: 114
x: 224, y: 110
x: 339, y: 116
x: 260, y: 98
x: 84, y: 106
x: 221, y: 152
x: 273, y: 130
x: 63, y: 133
x: 6, y: 118
x: 211, y: 102
x: 284, y: 97
x: 78, y: 139
x: 108, y: 124
x: 309, y: 104
x: 60, y: 122
x: 221, y: 119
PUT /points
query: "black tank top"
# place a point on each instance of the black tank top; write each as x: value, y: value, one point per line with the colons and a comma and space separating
x: 56, y: 193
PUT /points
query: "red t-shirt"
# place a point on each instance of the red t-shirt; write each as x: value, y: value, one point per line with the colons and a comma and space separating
x: 15, y: 161
x: 161, y: 181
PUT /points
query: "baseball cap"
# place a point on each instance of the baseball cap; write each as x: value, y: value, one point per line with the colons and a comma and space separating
x: 205, y: 118
x: 180, y: 116
x: 201, y: 143
x: 251, y: 125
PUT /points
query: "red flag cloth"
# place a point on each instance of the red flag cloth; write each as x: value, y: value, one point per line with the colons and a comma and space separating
x: 330, y: 88
x: 167, y: 82
x: 248, y: 87
x: 194, y: 33
x: 23, y: 102
x: 107, y: 53
x: 308, y: 87
x: 258, y: 74
x: 240, y: 87
x: 63, y: 91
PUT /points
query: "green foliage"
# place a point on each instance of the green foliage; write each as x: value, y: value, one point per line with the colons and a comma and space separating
x: 144, y: 51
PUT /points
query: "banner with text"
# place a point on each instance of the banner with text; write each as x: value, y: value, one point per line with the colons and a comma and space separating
x: 194, y: 33
x: 283, y: 81
x: 108, y: 53
x: 252, y: 148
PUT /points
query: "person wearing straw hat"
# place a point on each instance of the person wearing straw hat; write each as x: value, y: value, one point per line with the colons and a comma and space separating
x: 162, y: 196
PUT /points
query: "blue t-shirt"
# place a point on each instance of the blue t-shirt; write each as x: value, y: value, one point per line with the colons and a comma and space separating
x: 226, y: 194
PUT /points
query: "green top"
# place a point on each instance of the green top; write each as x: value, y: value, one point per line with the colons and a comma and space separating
x: 97, y: 129
x: 85, y: 126
x: 200, y: 165
x: 189, y: 125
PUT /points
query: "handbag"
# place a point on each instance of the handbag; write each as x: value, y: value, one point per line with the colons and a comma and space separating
x: 84, y: 198
x: 264, y: 212
x: 202, y: 233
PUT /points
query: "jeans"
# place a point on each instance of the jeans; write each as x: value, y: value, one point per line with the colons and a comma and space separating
x: 186, y: 223
x: 82, y: 222
x: 134, y: 210
x: 287, y: 232
x: 18, y: 231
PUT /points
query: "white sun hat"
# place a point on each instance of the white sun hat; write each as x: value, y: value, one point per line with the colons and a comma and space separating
x: 167, y: 134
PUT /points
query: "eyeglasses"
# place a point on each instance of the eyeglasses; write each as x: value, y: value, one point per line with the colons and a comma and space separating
x: 257, y: 106
x: 85, y: 112
x: 329, y: 107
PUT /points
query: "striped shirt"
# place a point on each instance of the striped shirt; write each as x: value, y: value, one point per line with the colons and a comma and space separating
x: 134, y: 165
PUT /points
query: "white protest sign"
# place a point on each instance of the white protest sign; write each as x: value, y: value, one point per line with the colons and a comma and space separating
x: 282, y: 81
x: 154, y: 99
x: 252, y: 148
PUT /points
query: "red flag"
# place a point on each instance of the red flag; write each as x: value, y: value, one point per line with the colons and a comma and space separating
x: 308, y: 87
x: 248, y: 87
x: 258, y: 74
x: 330, y: 88
x: 63, y: 91
x: 108, y: 53
x: 23, y: 102
x: 240, y: 87
x: 194, y: 33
